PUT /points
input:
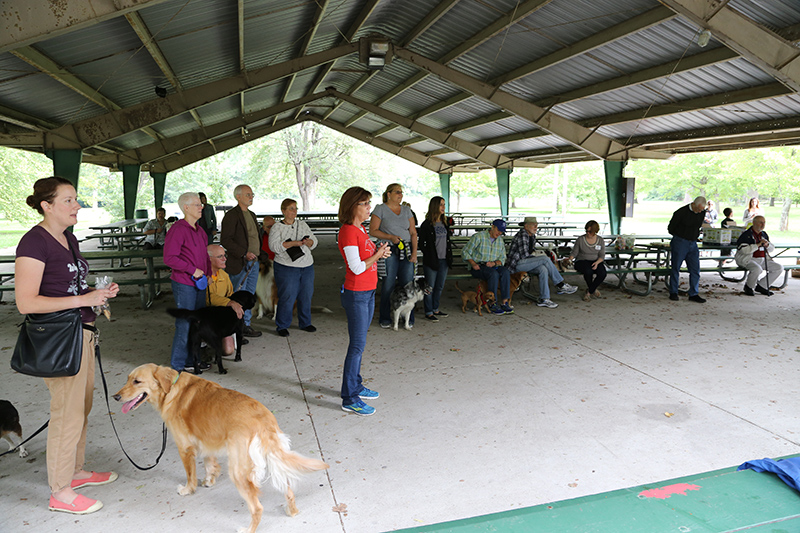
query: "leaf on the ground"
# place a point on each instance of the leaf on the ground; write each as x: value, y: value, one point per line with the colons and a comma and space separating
x: 341, y: 508
x: 669, y: 415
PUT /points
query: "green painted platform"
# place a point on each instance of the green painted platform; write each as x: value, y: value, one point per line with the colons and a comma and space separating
x: 713, y: 502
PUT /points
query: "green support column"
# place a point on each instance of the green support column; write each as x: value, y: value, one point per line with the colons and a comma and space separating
x: 503, y: 188
x: 444, y: 185
x: 159, y: 183
x: 130, y: 185
x: 66, y: 164
x: 615, y: 192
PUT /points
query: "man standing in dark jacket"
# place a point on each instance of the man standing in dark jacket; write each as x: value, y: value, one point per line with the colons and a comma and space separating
x: 685, y: 229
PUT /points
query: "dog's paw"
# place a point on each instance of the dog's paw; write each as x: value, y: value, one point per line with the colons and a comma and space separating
x: 209, y: 481
x: 23, y: 452
x: 185, y: 490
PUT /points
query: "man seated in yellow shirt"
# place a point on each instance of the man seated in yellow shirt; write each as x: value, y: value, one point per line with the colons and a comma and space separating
x: 220, y: 290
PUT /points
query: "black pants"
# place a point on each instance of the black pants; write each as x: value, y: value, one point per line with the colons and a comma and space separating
x: 594, y: 277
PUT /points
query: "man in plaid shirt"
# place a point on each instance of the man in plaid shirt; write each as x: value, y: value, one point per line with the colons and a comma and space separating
x: 486, y: 254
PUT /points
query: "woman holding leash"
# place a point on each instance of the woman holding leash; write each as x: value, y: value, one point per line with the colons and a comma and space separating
x: 589, y: 254
x: 437, y: 256
x: 186, y: 253
x: 393, y: 222
x: 358, y: 293
x: 293, y: 241
x: 51, y: 276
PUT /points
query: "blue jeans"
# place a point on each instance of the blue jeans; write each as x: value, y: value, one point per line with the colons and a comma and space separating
x: 436, y: 279
x: 397, y: 271
x: 495, y: 277
x: 359, y: 306
x: 294, y: 284
x: 248, y: 285
x: 592, y: 277
x: 684, y: 250
x: 186, y: 297
x: 543, y: 267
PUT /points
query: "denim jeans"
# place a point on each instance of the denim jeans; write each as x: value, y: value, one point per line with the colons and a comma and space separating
x: 294, y: 284
x: 684, y: 250
x: 495, y: 277
x: 186, y: 297
x: 248, y: 285
x: 592, y: 277
x: 436, y: 279
x: 545, y: 270
x: 397, y: 271
x: 359, y: 306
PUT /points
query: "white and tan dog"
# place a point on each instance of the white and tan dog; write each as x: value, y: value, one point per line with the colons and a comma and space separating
x: 266, y: 290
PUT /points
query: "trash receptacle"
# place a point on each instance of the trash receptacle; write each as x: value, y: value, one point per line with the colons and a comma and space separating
x: 140, y: 213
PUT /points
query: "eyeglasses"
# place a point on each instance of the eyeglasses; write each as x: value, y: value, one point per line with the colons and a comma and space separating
x: 222, y: 256
x: 249, y: 195
x: 364, y: 204
x: 397, y: 192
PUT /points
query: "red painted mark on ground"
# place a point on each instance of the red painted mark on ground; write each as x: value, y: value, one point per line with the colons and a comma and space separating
x: 662, y: 493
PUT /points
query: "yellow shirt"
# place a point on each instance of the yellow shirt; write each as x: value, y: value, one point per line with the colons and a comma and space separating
x: 219, y: 289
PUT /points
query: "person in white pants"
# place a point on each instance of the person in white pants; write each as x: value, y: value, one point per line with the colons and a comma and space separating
x: 753, y: 251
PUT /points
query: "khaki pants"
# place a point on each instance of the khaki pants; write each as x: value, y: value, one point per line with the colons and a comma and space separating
x: 70, y: 404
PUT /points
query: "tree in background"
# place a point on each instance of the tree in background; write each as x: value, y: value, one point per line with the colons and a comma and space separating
x: 18, y: 172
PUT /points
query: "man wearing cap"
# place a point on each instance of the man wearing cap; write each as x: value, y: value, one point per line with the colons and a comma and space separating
x: 521, y: 258
x: 486, y: 254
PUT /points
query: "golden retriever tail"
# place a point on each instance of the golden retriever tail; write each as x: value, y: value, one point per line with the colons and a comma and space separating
x: 279, y: 463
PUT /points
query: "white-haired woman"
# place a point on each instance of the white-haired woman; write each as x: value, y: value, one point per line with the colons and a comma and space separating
x: 186, y: 254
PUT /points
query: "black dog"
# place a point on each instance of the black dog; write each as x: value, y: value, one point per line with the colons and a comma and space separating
x: 9, y: 424
x: 213, y: 324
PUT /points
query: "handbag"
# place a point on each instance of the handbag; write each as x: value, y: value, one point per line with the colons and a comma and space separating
x: 49, y: 345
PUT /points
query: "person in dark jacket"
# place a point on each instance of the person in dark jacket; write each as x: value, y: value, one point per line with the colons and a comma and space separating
x: 753, y: 251
x: 685, y: 229
x: 437, y: 256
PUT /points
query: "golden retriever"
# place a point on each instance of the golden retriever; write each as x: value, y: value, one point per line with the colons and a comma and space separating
x: 206, y: 419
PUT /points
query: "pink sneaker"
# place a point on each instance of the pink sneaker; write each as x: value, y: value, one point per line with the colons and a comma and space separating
x: 98, y: 478
x: 81, y: 505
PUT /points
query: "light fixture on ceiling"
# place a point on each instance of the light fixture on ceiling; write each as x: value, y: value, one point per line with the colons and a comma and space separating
x: 703, y: 38
x: 374, y: 52
x: 161, y: 92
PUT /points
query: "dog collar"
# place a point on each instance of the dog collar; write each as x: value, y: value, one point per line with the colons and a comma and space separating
x: 174, y: 381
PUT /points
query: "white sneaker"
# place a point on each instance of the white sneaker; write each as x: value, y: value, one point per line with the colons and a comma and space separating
x: 543, y: 302
x: 567, y: 289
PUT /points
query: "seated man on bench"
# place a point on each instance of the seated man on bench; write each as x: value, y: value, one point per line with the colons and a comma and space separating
x: 752, y: 252
x: 486, y: 253
x: 220, y: 289
x: 522, y: 257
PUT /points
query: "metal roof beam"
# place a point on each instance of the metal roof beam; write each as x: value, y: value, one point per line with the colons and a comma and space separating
x: 427, y: 21
x: 585, y: 139
x: 719, y: 131
x: 98, y: 130
x: 26, y: 23
x: 768, y: 51
x: 460, y: 145
x: 727, y: 143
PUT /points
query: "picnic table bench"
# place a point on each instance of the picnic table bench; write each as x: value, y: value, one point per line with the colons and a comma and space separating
x: 149, y: 285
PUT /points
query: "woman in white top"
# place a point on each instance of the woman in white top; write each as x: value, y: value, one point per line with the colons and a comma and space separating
x: 292, y: 241
x: 589, y: 254
x: 393, y: 222
x: 753, y: 210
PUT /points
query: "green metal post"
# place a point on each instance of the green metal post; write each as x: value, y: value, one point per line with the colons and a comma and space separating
x: 159, y: 183
x: 66, y: 164
x: 503, y: 188
x: 130, y: 185
x: 444, y: 185
x: 615, y: 192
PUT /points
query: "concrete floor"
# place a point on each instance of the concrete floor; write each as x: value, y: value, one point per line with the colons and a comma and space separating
x: 476, y: 415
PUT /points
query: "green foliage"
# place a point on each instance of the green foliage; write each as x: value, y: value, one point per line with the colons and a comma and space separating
x: 18, y: 172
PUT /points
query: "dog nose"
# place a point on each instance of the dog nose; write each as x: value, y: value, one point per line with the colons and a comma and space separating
x: 117, y: 397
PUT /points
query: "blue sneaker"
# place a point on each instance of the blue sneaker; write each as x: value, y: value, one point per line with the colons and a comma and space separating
x: 368, y: 394
x: 496, y: 310
x: 507, y: 309
x: 359, y: 408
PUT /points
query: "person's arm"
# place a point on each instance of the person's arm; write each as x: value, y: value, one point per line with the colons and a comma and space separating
x: 601, y: 257
x: 357, y: 265
x: 172, y: 250
x: 311, y: 242
x: 28, y: 273
x: 469, y: 251
x: 412, y: 230
x: 375, y: 231
x: 228, y: 237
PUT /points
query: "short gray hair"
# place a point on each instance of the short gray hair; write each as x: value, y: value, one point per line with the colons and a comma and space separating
x: 185, y: 198
x: 700, y: 200
x: 238, y: 190
x: 212, y: 246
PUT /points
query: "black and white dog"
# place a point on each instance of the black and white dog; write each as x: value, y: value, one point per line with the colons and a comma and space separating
x: 9, y: 425
x: 405, y: 298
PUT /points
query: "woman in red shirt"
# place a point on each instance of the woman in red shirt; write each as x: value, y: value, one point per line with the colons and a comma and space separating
x: 358, y: 293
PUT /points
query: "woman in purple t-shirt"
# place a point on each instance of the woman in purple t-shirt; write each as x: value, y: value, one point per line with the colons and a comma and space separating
x: 186, y: 253
x: 45, y: 282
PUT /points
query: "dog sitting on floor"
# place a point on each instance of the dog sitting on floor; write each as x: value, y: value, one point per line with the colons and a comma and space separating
x: 479, y: 299
x: 213, y: 324
x: 516, y: 280
x: 403, y: 300
x: 9, y: 425
x: 207, y: 420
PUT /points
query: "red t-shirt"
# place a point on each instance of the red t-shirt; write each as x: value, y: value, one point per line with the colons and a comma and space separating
x: 352, y: 235
x: 265, y: 246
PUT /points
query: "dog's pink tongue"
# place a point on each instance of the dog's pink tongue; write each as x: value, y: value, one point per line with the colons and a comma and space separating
x: 127, y: 406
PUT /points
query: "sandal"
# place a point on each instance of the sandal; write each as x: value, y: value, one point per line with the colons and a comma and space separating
x: 81, y: 505
x: 97, y: 478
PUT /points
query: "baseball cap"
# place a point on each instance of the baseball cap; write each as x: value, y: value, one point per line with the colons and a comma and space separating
x: 500, y: 224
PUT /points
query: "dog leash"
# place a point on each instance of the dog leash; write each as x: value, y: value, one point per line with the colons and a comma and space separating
x: 246, y: 273
x: 105, y: 391
x: 18, y: 446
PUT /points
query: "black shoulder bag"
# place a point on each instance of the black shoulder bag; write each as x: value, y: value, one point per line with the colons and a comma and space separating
x: 49, y: 345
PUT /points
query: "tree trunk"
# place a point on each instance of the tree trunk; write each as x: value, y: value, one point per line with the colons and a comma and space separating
x: 772, y: 201
x: 787, y: 205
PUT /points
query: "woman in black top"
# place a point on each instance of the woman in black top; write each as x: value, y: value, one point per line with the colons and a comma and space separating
x: 437, y: 257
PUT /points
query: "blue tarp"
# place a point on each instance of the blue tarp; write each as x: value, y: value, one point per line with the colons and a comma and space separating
x: 786, y: 469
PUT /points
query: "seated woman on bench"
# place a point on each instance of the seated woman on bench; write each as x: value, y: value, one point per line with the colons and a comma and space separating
x: 589, y: 254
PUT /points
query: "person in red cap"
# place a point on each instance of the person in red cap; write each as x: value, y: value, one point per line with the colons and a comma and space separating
x: 486, y: 254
